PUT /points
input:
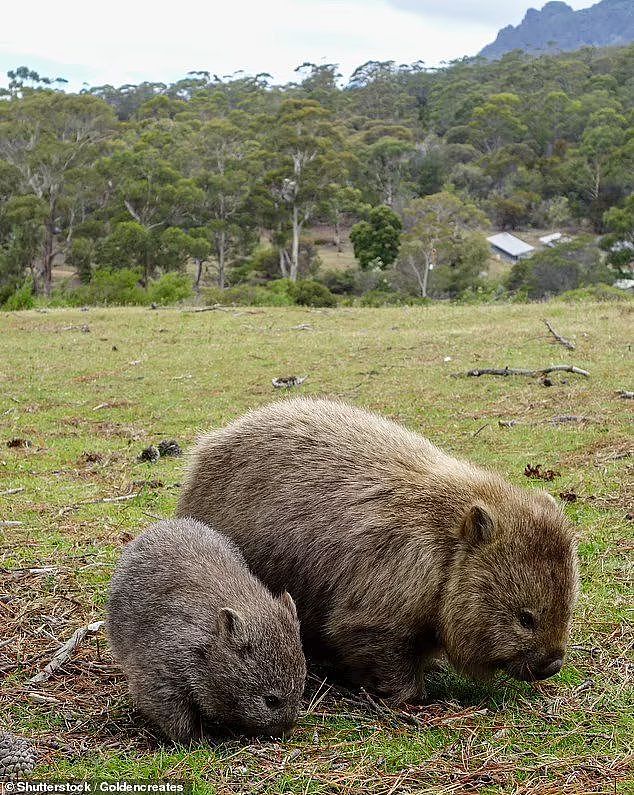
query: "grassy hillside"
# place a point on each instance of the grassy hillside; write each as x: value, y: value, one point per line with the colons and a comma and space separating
x: 90, y: 390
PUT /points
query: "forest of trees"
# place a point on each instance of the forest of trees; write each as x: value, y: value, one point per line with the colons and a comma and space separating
x: 229, y: 175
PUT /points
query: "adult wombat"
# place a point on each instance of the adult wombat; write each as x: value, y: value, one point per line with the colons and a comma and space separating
x: 200, y: 639
x: 394, y: 551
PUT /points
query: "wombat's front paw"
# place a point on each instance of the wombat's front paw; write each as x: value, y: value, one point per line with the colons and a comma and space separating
x: 413, y: 696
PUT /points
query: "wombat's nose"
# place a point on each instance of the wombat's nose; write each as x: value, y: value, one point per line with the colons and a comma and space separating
x: 551, y: 668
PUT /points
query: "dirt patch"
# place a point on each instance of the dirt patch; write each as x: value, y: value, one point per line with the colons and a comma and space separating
x: 600, y: 452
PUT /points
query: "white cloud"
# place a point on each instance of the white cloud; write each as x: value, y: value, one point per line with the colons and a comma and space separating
x: 134, y: 40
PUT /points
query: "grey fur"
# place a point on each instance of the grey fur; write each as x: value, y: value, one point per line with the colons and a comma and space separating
x: 200, y: 639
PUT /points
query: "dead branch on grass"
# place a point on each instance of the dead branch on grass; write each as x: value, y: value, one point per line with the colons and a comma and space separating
x: 221, y: 308
x: 64, y: 653
x: 506, y: 371
x: 213, y: 308
x: 561, y: 340
x: 11, y: 491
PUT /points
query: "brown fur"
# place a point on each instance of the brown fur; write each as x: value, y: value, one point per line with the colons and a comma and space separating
x: 394, y: 551
x: 200, y: 639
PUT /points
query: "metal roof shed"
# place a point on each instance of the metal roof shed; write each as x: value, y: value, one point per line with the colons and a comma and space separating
x: 511, y: 246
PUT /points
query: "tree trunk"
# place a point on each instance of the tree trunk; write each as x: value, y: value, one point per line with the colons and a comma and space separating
x: 389, y: 193
x: 222, y: 253
x: 45, y: 275
x: 421, y: 281
x: 283, y: 269
x: 425, y: 279
x: 337, y: 239
x: 199, y: 274
x: 297, y: 228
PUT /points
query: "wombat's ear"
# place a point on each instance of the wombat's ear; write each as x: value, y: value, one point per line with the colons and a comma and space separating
x: 477, y: 526
x: 231, y: 624
x: 287, y: 600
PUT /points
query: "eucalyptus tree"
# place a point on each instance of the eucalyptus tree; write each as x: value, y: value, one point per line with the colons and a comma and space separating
x: 303, y: 151
x: 149, y: 197
x: 441, y: 234
x: 223, y: 158
x: 50, y: 138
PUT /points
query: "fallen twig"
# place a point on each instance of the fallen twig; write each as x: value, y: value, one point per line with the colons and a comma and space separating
x: 504, y: 371
x: 625, y: 395
x: 122, y: 498
x: 4, y: 523
x: 75, y: 506
x: 64, y: 652
x: 213, y: 308
x: 561, y: 340
x: 11, y: 491
x: 221, y: 308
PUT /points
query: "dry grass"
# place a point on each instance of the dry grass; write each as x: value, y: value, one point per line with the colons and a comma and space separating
x: 89, y: 401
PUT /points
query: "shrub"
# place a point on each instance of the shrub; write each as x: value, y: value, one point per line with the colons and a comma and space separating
x: 247, y: 295
x: 378, y: 298
x: 339, y: 282
x: 68, y: 294
x: 171, y: 288
x: 22, y: 298
x: 484, y: 293
x: 116, y: 287
x: 311, y: 293
x: 557, y: 270
x: 80, y: 256
x: 596, y: 292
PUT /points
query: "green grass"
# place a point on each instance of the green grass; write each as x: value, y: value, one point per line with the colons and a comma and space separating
x: 169, y: 374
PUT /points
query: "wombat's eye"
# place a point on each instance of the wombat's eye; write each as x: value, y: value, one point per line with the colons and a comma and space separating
x: 273, y: 702
x: 527, y: 619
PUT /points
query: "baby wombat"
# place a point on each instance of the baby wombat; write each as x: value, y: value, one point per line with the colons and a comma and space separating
x: 394, y: 551
x: 200, y: 639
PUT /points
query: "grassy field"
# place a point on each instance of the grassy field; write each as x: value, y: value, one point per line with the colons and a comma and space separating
x: 89, y: 390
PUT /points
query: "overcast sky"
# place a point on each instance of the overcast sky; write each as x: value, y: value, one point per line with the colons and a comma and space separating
x: 128, y: 41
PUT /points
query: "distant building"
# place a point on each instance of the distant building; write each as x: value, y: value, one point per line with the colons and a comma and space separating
x: 550, y: 240
x: 554, y: 240
x: 510, y: 247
